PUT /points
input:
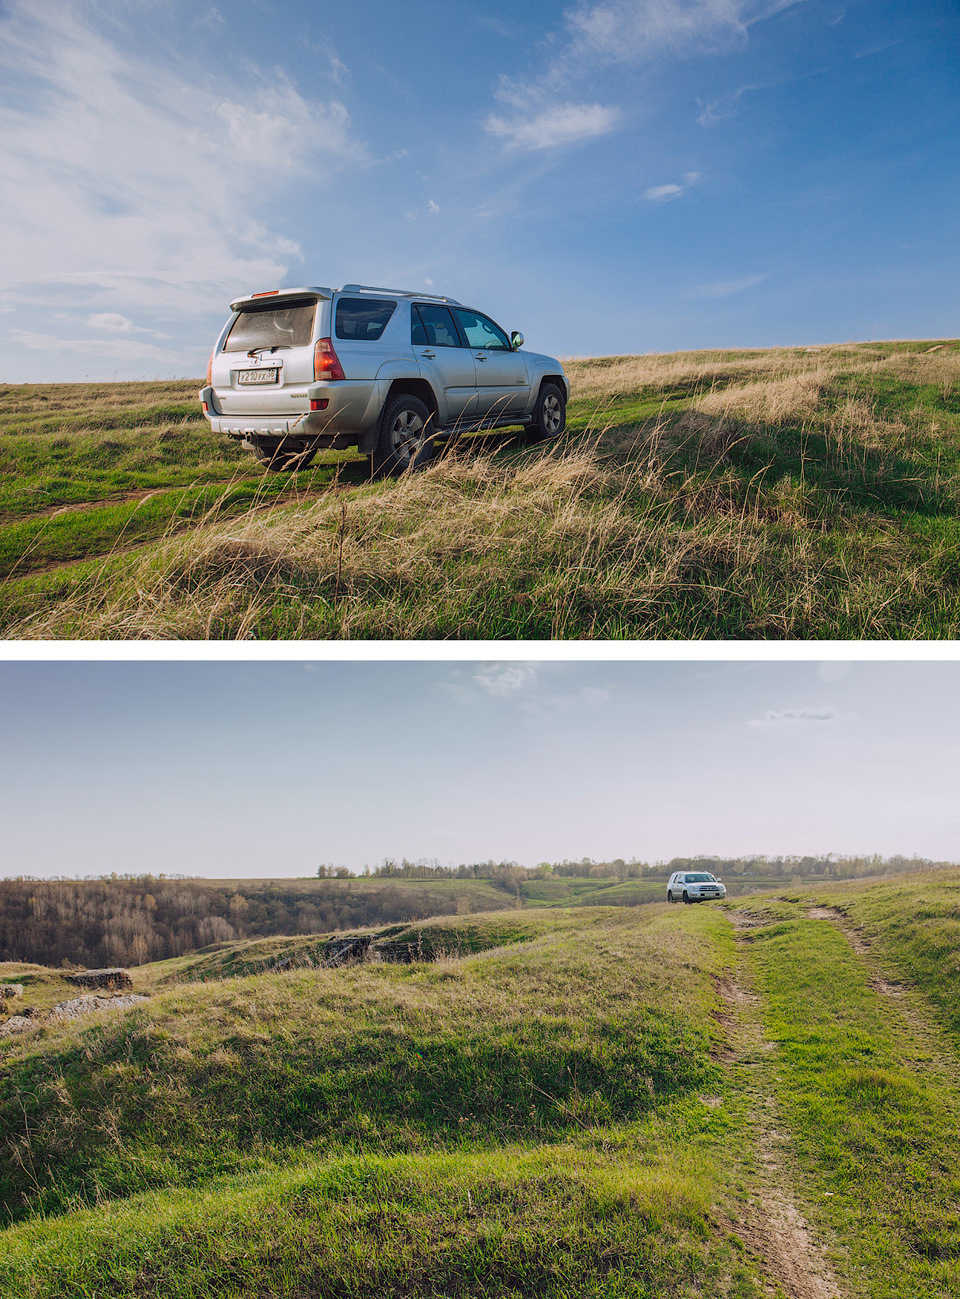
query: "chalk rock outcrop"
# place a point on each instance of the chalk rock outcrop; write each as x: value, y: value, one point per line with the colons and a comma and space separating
x: 112, y: 978
x: 85, y: 1005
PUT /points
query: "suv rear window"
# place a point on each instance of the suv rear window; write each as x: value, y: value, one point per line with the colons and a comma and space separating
x: 274, y: 324
x: 363, y: 319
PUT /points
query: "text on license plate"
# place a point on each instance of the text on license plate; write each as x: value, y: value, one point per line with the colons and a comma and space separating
x: 258, y: 376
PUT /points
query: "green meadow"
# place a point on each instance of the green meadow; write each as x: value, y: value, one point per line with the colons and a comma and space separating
x: 781, y: 494
x: 749, y: 1099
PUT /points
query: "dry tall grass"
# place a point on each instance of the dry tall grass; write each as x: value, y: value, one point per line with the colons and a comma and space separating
x: 645, y: 527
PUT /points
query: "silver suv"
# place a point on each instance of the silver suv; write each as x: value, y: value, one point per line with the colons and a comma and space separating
x: 390, y: 372
x: 694, y: 886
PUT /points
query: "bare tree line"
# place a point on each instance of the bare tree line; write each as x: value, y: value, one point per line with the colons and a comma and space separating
x: 131, y: 921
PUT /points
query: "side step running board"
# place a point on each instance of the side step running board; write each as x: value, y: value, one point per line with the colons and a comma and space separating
x: 483, y: 426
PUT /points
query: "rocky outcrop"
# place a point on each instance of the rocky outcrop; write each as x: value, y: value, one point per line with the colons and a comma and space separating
x: 112, y: 978
x: 15, y: 1024
x: 10, y: 990
x: 398, y: 953
x: 84, y: 1005
x: 338, y: 951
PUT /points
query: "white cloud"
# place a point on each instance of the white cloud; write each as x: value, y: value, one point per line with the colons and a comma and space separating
x: 834, y: 670
x: 797, y: 718
x: 586, y: 697
x: 659, y: 192
x: 555, y: 125
x: 716, y: 110
x: 615, y: 31
x: 724, y: 288
x: 627, y: 30
x: 131, y: 184
x: 502, y: 679
x: 112, y: 322
x: 120, y: 349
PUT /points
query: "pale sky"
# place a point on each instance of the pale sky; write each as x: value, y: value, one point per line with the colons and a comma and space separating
x: 608, y: 176
x: 237, y: 769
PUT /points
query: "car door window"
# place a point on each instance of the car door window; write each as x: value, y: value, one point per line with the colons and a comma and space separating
x: 433, y: 327
x: 482, y: 332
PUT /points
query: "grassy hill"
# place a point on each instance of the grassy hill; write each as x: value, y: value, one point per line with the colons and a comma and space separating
x: 621, y: 1102
x: 789, y: 493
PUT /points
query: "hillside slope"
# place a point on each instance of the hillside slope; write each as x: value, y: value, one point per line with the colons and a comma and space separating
x: 656, y: 1101
x: 787, y: 493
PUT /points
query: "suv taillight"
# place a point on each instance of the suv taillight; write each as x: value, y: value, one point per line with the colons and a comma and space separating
x: 210, y: 370
x: 326, y: 363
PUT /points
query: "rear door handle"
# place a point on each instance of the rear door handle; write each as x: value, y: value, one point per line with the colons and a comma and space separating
x: 479, y: 356
x: 429, y: 355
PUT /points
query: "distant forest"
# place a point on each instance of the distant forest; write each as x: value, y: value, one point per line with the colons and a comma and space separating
x: 149, y: 918
x: 832, y: 866
x: 129, y: 920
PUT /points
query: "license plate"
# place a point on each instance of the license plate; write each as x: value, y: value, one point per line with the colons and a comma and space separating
x: 258, y: 376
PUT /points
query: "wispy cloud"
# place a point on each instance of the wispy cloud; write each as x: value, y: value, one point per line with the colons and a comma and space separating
x: 717, y: 110
x: 132, y: 183
x: 502, y: 679
x: 796, y: 718
x: 111, y: 322
x: 555, y: 125
x: 628, y: 30
x: 542, y: 705
x: 121, y: 349
x: 834, y: 669
x: 724, y: 288
x: 597, y: 35
x: 531, y: 688
x: 661, y: 193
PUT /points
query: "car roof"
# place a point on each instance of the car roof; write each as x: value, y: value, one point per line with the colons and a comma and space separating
x: 313, y: 290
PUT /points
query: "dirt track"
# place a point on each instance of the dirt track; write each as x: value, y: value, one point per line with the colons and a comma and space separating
x: 774, y: 1230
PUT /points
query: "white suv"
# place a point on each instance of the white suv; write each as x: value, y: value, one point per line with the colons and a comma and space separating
x: 391, y: 372
x: 694, y: 886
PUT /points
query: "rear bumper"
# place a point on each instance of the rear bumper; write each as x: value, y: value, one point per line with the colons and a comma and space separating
x: 352, y: 406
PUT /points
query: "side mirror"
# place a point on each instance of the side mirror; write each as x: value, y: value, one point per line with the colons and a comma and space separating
x: 516, y: 339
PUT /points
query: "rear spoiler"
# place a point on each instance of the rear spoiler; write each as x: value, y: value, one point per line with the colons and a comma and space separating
x: 308, y: 292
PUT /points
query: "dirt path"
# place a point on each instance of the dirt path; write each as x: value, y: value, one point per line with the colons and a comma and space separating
x: 172, y: 528
x: 774, y: 1230
x: 922, y: 1045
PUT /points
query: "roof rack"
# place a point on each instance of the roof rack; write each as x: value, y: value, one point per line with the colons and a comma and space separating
x: 397, y: 293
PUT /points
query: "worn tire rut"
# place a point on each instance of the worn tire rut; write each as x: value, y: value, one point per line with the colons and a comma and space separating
x: 923, y: 1048
x: 774, y: 1230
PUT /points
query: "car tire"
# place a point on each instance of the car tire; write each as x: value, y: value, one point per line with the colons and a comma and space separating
x: 279, y: 458
x: 549, y: 414
x: 405, y: 441
x: 669, y: 896
x: 686, y: 897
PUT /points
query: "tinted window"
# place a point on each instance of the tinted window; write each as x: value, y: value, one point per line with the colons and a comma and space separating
x: 364, y: 319
x: 433, y: 327
x: 482, y: 332
x: 274, y: 324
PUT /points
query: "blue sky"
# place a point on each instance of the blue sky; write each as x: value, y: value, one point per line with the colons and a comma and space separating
x: 606, y: 175
x: 269, y: 768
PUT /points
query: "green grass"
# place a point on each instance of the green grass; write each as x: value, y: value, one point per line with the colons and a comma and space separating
x: 565, y: 1220
x: 871, y: 1119
x: 913, y: 926
x: 564, y: 1110
x: 523, y: 1121
x: 753, y: 495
